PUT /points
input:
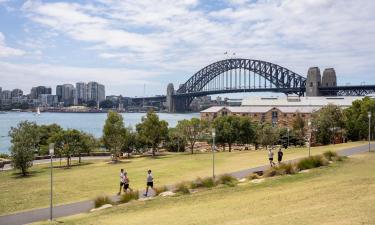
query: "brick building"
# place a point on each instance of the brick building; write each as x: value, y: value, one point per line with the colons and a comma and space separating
x: 279, y: 111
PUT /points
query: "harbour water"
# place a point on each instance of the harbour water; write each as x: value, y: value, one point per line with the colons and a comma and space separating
x: 88, y: 122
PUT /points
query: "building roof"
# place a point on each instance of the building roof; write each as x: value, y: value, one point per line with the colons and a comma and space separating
x: 343, y: 101
x: 260, y: 109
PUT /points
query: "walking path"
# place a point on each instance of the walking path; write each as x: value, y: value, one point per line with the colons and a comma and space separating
x: 85, y: 206
x: 44, y: 161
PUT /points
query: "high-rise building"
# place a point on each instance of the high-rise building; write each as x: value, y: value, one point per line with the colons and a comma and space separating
x: 16, y: 93
x: 95, y: 92
x: 37, y: 91
x: 6, y: 97
x: 81, y: 92
x: 59, y: 92
x: 68, y: 92
x: 48, y: 100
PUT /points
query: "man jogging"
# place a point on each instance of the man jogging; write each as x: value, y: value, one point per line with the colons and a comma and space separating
x: 280, y: 156
x: 121, y: 180
x: 150, y: 182
x: 126, y: 183
x: 270, y: 157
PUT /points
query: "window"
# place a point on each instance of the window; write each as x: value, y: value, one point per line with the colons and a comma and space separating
x: 311, y: 84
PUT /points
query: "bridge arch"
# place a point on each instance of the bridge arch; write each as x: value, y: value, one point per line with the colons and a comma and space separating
x: 217, y: 78
x: 277, y: 76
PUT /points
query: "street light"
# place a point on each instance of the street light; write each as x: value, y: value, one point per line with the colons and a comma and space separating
x: 309, y: 124
x: 288, y: 136
x: 369, y: 131
x: 51, y: 151
x: 213, y: 152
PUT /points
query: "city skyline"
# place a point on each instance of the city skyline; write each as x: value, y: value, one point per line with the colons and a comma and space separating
x: 125, y: 45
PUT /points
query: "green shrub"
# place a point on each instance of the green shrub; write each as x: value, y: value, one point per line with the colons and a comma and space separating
x: 312, y: 162
x: 182, y: 188
x: 197, y: 183
x: 208, y: 182
x: 227, y: 180
x: 128, y: 196
x: 330, y: 155
x: 160, y: 189
x: 288, y: 168
x: 253, y: 176
x: 102, y: 200
x: 271, y: 172
x: 4, y: 156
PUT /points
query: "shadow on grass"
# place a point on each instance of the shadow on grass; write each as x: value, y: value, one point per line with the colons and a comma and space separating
x: 30, y: 174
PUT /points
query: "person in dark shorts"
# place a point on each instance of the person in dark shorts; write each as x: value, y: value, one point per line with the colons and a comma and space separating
x: 270, y: 157
x: 126, y: 183
x: 280, y: 156
x: 150, y: 182
x: 121, y: 180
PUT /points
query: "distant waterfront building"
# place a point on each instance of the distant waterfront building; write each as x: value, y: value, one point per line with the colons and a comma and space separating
x: 6, y: 97
x: 37, y: 91
x: 59, y: 92
x: 16, y: 93
x: 68, y: 92
x: 48, y: 100
x: 81, y: 88
x: 279, y: 111
x: 95, y: 92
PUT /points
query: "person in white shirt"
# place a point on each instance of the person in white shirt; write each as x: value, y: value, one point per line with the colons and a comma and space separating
x: 270, y: 157
x: 126, y: 182
x: 121, y: 180
x: 150, y: 182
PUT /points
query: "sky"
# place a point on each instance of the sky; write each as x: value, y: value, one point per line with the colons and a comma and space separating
x: 128, y: 45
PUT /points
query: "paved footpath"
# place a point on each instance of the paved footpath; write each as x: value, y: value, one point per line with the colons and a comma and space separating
x: 85, y: 206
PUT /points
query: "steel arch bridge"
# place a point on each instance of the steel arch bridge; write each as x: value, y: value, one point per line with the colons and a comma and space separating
x: 239, y: 75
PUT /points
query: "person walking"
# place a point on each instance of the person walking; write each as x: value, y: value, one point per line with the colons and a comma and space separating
x: 280, y: 156
x: 121, y: 180
x: 126, y: 183
x: 150, y: 182
x: 270, y: 157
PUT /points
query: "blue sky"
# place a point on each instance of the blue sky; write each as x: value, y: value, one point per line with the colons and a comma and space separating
x: 125, y: 44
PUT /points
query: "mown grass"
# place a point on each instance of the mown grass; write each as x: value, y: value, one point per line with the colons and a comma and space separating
x: 98, y: 177
x: 341, y: 193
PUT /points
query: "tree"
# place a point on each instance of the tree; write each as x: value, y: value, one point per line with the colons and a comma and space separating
x: 227, y: 130
x: 46, y: 132
x: 267, y: 135
x: 176, y: 142
x: 299, y: 125
x: 91, y: 104
x: 356, y: 118
x: 114, y: 133
x: 152, y: 130
x: 327, y: 123
x: 107, y: 104
x: 86, y: 143
x: 130, y: 142
x: 191, y: 130
x: 247, y: 131
x: 24, y: 139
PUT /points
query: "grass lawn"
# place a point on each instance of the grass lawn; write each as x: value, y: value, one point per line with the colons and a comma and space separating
x: 342, y: 193
x: 99, y: 177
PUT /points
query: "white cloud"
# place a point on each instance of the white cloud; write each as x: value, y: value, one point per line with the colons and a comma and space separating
x: 181, y: 37
x: 6, y: 51
x: 51, y: 75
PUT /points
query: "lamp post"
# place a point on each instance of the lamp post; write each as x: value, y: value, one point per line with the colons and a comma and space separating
x: 213, y: 152
x: 309, y: 124
x: 369, y: 131
x: 51, y: 151
x: 288, y: 136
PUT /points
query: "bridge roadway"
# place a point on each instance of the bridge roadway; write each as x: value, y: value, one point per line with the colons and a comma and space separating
x: 353, y: 90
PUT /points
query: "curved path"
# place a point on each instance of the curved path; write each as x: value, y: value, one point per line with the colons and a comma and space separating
x: 85, y: 206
